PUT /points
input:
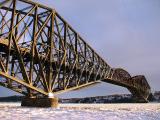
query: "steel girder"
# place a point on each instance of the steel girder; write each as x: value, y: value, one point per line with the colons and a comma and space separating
x: 40, y: 53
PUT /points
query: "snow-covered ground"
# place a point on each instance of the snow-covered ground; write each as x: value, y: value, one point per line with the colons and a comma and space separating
x: 13, y: 111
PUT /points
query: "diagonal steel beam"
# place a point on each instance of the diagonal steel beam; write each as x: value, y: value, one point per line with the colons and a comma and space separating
x: 23, y: 83
x: 4, y: 2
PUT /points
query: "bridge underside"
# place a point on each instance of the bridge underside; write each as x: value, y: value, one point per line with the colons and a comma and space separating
x: 41, y: 54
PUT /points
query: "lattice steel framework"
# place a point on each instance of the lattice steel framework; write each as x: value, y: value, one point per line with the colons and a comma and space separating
x: 40, y: 53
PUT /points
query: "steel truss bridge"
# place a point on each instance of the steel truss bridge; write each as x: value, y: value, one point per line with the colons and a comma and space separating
x: 40, y: 54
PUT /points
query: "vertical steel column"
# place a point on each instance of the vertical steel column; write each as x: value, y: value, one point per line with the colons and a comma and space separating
x: 51, y: 40
x: 11, y: 33
x: 33, y: 47
x: 65, y: 49
x: 85, y: 55
x: 93, y: 60
x: 34, y: 42
x: 76, y: 57
x: 13, y: 57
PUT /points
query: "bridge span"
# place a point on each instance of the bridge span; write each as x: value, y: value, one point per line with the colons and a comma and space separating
x: 42, y: 55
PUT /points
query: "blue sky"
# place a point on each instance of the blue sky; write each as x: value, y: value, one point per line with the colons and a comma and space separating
x: 126, y: 33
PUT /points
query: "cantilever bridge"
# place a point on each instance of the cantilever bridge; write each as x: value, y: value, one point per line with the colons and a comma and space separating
x: 41, y: 54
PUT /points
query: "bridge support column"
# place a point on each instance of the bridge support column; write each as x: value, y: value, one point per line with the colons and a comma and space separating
x: 40, y: 102
x: 139, y: 97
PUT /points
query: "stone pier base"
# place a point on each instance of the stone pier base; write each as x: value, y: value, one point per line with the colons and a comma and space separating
x: 40, y: 102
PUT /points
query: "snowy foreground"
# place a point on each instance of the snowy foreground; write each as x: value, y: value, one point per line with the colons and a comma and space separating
x: 13, y: 111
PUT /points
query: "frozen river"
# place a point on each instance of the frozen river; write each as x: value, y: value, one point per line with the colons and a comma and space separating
x: 13, y: 111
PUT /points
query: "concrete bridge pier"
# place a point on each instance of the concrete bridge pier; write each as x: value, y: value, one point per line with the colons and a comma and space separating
x: 139, y: 96
x: 40, y: 102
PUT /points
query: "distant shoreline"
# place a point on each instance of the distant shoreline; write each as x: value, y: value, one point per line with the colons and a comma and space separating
x: 118, y: 98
